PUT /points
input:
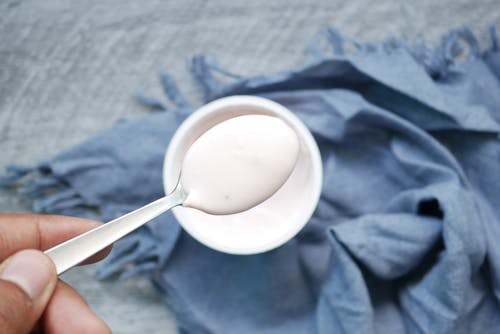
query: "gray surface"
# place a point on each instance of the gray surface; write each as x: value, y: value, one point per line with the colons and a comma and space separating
x: 68, y: 70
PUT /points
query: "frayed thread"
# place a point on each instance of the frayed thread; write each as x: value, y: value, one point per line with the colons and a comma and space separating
x: 38, y: 185
x: 141, y: 252
x: 136, y: 254
x: 46, y: 192
x: 335, y: 39
x: 458, y: 45
x: 493, y: 38
x: 203, y: 71
x: 58, y: 201
x: 13, y: 174
x: 171, y: 91
x: 150, y: 102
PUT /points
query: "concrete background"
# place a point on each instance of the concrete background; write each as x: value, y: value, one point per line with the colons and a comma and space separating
x: 68, y: 70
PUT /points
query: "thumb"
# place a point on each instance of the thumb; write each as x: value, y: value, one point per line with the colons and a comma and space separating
x: 27, y: 280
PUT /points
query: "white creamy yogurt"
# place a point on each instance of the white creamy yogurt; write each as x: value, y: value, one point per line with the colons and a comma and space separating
x: 238, y: 164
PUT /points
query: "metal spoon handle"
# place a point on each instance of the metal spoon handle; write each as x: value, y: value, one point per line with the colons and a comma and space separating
x: 75, y: 250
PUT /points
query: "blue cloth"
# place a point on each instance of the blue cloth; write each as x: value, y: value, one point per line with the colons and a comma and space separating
x: 405, y: 238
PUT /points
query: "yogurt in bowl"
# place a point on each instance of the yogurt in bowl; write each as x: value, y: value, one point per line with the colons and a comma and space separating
x: 269, y: 224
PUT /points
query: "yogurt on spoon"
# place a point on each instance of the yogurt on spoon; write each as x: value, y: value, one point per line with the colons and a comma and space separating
x: 238, y: 164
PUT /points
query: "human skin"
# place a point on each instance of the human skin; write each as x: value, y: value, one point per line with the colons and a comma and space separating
x: 32, y: 298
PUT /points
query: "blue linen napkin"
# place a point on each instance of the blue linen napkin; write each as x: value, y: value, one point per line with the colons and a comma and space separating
x: 405, y: 236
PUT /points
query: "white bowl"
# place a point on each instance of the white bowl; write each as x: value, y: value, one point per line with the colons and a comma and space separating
x: 273, y: 222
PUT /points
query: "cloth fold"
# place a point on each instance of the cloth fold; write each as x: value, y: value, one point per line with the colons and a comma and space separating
x: 405, y: 236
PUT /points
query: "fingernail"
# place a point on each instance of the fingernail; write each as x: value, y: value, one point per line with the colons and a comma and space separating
x: 30, y: 270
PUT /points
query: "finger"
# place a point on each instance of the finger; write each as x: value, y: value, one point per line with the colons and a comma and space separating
x: 27, y: 280
x: 23, y: 231
x: 67, y: 312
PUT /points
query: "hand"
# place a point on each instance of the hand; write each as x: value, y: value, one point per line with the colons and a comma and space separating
x: 32, y: 299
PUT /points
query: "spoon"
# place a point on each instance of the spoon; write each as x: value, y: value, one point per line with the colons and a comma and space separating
x: 232, y: 167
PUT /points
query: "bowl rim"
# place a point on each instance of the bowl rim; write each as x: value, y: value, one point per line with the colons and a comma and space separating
x: 274, y: 108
